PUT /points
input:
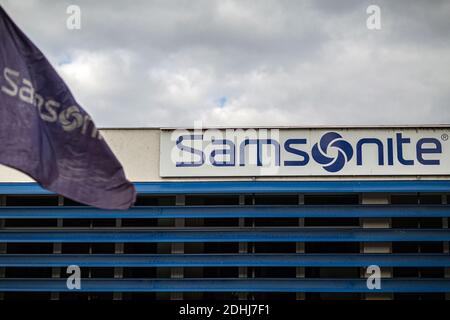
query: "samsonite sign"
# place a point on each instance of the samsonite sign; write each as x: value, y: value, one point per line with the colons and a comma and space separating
x: 304, y: 152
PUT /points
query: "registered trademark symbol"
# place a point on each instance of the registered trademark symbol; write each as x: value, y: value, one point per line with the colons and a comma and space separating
x: 444, y: 137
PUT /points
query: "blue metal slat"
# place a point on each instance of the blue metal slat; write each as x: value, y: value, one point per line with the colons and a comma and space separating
x: 225, y: 285
x: 23, y: 188
x: 250, y: 187
x: 160, y: 212
x: 287, y: 234
x: 225, y: 260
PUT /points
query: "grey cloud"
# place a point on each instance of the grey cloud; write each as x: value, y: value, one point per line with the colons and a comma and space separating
x: 167, y: 63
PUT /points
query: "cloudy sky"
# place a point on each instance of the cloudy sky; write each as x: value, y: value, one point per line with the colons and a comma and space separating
x: 159, y: 63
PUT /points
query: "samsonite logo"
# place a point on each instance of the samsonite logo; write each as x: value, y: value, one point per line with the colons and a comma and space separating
x: 331, y: 151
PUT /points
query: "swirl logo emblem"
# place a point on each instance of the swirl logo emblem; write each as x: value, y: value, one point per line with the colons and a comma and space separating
x: 71, y: 118
x: 332, y: 140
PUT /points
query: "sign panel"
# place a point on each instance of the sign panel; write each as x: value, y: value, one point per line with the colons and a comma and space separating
x: 305, y: 152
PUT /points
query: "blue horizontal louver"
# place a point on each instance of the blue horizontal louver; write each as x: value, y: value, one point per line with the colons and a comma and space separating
x: 258, y: 187
x: 225, y: 260
x: 226, y: 235
x: 299, y: 211
x: 226, y: 285
x: 251, y: 234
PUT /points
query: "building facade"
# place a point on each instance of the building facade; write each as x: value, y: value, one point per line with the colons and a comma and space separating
x: 249, y: 213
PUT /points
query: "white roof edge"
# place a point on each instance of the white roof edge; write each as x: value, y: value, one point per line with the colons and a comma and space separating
x: 409, y: 126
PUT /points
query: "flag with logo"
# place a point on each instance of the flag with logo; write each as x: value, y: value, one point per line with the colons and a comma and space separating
x: 47, y: 135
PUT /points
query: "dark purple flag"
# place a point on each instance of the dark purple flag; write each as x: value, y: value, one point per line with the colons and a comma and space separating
x: 47, y: 135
